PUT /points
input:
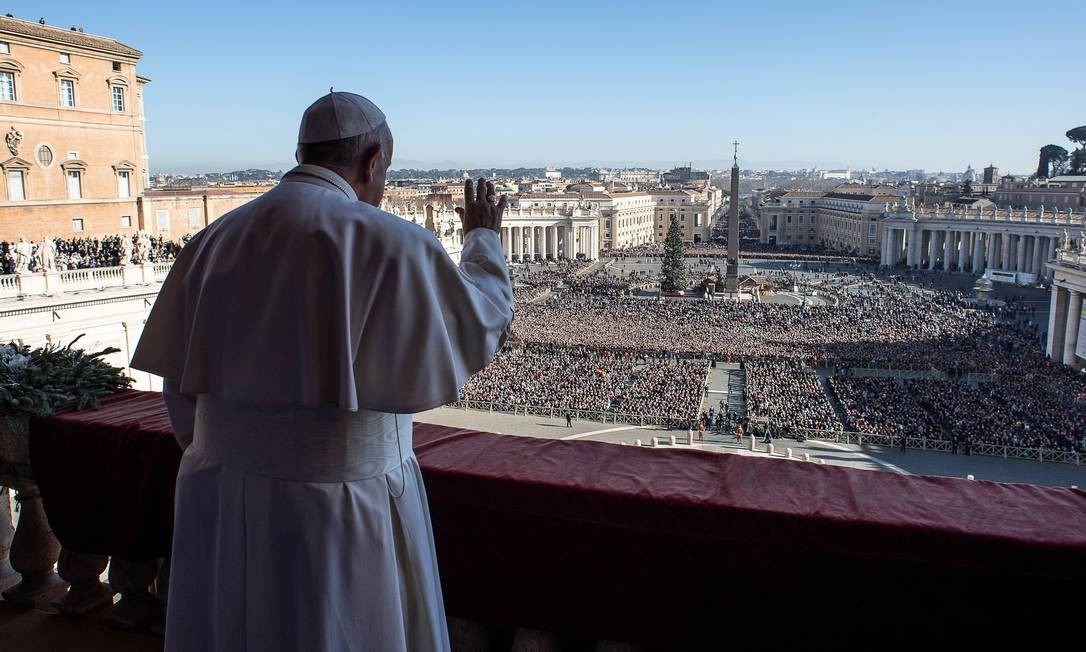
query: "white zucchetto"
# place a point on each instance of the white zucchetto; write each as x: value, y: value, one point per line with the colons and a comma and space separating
x: 339, y: 115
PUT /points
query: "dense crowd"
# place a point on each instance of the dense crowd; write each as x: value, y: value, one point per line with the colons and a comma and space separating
x: 671, y: 390
x: 883, y: 406
x: 888, y: 325
x: 83, y: 253
x: 579, y: 378
x: 1030, y: 411
x: 747, y: 249
x: 789, y: 394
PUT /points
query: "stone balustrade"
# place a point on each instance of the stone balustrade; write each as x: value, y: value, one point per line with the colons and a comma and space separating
x: 29, y: 284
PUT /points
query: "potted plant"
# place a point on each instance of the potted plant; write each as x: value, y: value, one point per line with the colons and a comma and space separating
x: 37, y: 383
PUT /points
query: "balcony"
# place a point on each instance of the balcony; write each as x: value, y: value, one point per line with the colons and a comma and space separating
x: 562, y: 544
x: 29, y: 284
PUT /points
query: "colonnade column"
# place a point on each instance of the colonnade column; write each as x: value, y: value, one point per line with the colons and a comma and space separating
x: 948, y: 250
x: 913, y: 236
x: 1021, y: 262
x: 1005, y: 252
x: 1057, y: 321
x: 991, y: 262
x: 978, y: 252
x: 963, y: 251
x: 1070, y: 339
x: 1038, y: 257
x: 933, y: 242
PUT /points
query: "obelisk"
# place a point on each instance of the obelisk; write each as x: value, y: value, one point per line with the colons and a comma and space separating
x: 731, y: 277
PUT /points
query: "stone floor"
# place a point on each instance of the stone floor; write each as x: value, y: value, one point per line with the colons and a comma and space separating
x: 30, y: 630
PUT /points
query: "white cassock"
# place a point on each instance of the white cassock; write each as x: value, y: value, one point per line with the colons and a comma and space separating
x: 295, y: 336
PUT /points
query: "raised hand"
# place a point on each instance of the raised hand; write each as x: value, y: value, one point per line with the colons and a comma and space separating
x: 482, y: 208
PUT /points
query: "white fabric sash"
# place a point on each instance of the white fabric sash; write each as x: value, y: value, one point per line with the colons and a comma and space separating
x: 302, y: 444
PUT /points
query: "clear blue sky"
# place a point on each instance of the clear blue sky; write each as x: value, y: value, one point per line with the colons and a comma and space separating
x: 934, y: 85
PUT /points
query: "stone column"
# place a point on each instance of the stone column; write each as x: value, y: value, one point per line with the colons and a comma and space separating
x: 1057, y: 320
x: 1038, y: 257
x: 933, y: 248
x: 1005, y: 252
x: 963, y: 251
x: 506, y: 243
x: 912, y: 251
x: 898, y: 246
x: 1070, y: 338
x: 978, y: 253
x: 948, y: 250
x: 990, y: 261
x: 1020, y: 265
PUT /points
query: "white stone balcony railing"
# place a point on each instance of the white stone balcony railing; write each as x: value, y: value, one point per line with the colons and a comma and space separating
x: 1012, y: 215
x: 48, y: 283
x: 1074, y: 259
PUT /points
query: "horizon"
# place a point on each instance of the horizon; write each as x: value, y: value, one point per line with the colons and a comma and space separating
x: 587, y: 85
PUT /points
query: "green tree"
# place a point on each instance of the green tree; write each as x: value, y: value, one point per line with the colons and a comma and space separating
x: 673, y: 267
x: 1078, y: 157
x: 1051, y: 160
x: 967, y: 188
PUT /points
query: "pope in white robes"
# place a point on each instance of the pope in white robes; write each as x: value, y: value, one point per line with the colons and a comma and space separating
x: 295, y: 337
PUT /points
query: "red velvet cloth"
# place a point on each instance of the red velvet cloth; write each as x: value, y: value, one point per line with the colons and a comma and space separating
x: 663, y: 547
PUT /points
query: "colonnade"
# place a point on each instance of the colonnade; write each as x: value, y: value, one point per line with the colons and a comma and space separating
x: 973, y: 250
x: 534, y: 242
x: 1064, y: 315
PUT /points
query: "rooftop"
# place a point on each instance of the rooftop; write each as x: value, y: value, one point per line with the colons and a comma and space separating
x: 11, y: 25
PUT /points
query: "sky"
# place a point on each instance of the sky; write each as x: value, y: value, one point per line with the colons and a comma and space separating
x: 932, y: 85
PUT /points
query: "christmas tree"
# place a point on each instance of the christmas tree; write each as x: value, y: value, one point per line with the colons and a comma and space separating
x: 673, y: 267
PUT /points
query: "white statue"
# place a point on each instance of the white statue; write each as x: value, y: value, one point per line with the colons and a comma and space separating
x: 47, y: 254
x: 1066, y: 240
x: 22, y: 256
x: 1082, y: 245
x: 126, y: 250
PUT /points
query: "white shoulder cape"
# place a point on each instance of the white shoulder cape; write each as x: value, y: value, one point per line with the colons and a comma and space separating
x: 307, y: 296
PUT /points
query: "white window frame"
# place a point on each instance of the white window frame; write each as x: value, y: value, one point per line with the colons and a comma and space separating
x: 162, y: 219
x: 5, y: 47
x: 126, y: 221
x: 113, y: 90
x: 77, y: 223
x: 4, y: 75
x: 77, y: 177
x: 10, y: 177
x: 66, y: 57
x: 124, y: 184
x: 63, y: 100
x: 194, y: 218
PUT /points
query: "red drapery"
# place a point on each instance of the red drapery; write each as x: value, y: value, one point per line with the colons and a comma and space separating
x: 660, y: 546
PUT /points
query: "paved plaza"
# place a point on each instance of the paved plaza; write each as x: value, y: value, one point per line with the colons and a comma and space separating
x: 915, y: 462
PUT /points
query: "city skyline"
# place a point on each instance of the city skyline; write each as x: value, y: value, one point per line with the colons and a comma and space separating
x: 850, y: 85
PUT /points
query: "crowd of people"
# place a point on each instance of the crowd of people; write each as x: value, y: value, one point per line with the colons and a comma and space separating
x: 747, y: 248
x: 888, y: 325
x: 1030, y: 411
x: 581, y: 378
x: 85, y: 253
x: 789, y: 394
x: 883, y: 406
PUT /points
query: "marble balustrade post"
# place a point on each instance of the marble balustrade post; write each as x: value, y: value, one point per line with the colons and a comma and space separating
x: 34, y: 551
